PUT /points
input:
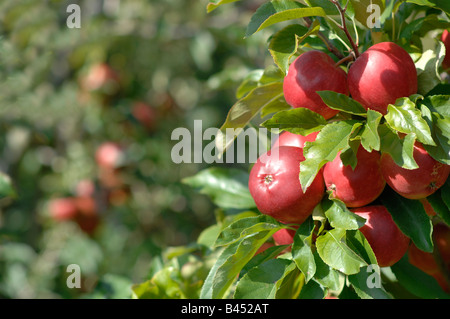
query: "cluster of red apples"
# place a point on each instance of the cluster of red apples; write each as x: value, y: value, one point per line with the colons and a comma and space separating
x: 377, y: 78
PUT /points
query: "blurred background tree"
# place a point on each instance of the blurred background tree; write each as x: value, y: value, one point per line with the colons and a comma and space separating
x: 132, y: 73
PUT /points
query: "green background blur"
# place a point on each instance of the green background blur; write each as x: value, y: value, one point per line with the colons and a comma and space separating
x: 171, y: 55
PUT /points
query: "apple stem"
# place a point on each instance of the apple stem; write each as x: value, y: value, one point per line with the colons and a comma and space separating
x: 348, y: 58
x: 329, y: 45
x: 344, y: 28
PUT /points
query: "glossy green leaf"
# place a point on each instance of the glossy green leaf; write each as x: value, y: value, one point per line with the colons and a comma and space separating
x: 406, y: 118
x: 277, y: 11
x: 298, y: 121
x: 410, y: 217
x: 340, y: 216
x: 263, y: 281
x: 416, y: 281
x: 437, y: 202
x: 301, y: 249
x: 332, y: 138
x: 341, y: 102
x: 326, y: 276
x: 440, y: 131
x: 335, y: 252
x: 370, y: 139
x: 228, y: 188
x: 428, y: 68
x: 367, y: 283
x: 401, y: 150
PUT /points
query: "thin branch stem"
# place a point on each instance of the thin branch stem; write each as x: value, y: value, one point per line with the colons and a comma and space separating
x: 327, y: 42
x: 343, y: 27
x: 348, y: 58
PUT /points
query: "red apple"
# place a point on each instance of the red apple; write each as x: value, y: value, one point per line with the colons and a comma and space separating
x: 109, y: 155
x: 62, y: 208
x: 284, y: 236
x: 357, y: 187
x: 101, y: 77
x: 446, y: 39
x: 87, y: 217
x: 290, y: 139
x: 415, y: 183
x: 311, y: 72
x: 388, y: 243
x: 381, y: 75
x: 145, y: 114
x: 274, y: 185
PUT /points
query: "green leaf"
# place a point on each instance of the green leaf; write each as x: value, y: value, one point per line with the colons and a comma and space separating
x: 326, y: 275
x: 332, y: 138
x: 229, y: 264
x: 406, y: 118
x: 6, y: 186
x: 367, y: 283
x: 438, y: 103
x: 416, y: 281
x: 440, y: 131
x: 245, y: 227
x: 401, y: 150
x: 163, y: 285
x: 428, y: 68
x: 339, y: 216
x: 284, y: 43
x: 269, y: 253
x: 361, y: 9
x: 301, y: 249
x: 263, y: 281
x: 445, y: 193
x: 410, y: 217
x: 436, y: 201
x: 444, y: 5
x: 214, y: 4
x: 244, y: 110
x: 312, y: 290
x: 228, y: 188
x: 370, y: 139
x: 335, y: 252
x: 298, y: 121
x: 277, y: 11
x: 341, y: 102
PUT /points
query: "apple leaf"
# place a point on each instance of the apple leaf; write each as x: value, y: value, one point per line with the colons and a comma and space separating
x: 443, y: 5
x: 244, y: 110
x: 327, y: 276
x: 370, y: 139
x: 438, y: 204
x: 214, y: 4
x: 277, y: 11
x: 406, y: 118
x: 263, y: 281
x: 341, y: 102
x: 416, y: 281
x: 335, y: 252
x: 438, y: 103
x: 301, y: 249
x: 366, y: 284
x: 428, y: 68
x: 339, y: 216
x: 401, y: 150
x: 227, y: 188
x: 331, y: 139
x: 445, y: 193
x: 245, y: 227
x: 410, y: 217
x: 284, y: 43
x: 298, y: 121
x: 440, y: 131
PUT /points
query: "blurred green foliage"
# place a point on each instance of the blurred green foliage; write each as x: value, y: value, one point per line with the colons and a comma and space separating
x: 169, y: 55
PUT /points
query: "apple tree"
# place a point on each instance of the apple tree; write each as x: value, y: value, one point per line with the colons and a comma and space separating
x: 357, y: 203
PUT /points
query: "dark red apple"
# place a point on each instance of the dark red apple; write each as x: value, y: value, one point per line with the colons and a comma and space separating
x: 381, y: 75
x: 415, y: 183
x: 296, y: 140
x: 274, y: 185
x: 284, y: 236
x: 446, y: 39
x: 387, y: 241
x: 358, y: 187
x: 311, y: 72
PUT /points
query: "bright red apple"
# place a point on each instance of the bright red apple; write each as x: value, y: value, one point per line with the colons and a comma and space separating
x: 274, y: 185
x: 381, y: 75
x: 62, y: 208
x: 311, y: 72
x: 416, y: 183
x: 290, y: 139
x: 387, y: 241
x: 358, y: 187
x: 109, y: 155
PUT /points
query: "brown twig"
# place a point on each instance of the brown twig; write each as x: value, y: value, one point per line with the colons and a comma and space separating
x: 327, y: 42
x: 343, y: 27
x: 349, y: 57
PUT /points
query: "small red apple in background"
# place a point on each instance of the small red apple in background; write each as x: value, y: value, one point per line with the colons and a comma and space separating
x: 145, y: 114
x: 62, y: 208
x: 427, y: 206
x: 101, y: 77
x: 274, y: 185
x: 358, y: 187
x: 311, y: 72
x: 381, y: 75
x: 446, y: 39
x: 290, y: 139
x: 85, y: 188
x: 416, y: 183
x: 109, y: 155
x: 284, y: 236
x: 388, y: 243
